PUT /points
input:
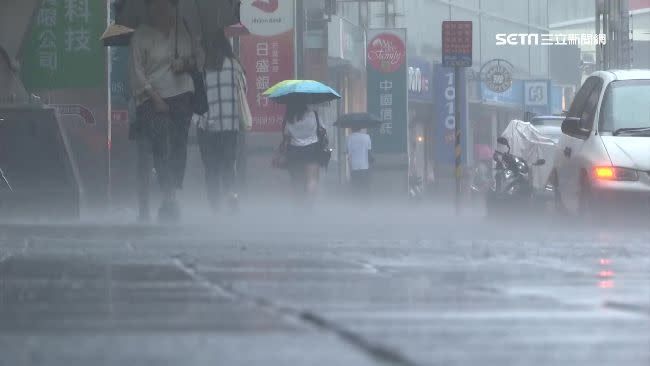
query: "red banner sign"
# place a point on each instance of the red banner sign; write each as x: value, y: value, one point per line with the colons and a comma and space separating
x: 267, y: 55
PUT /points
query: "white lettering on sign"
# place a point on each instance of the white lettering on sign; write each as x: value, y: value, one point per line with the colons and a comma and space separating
x: 48, y: 60
x: 386, y: 100
x: 46, y: 17
x: 548, y: 39
x: 262, y: 66
x: 263, y: 82
x: 386, y: 85
x: 76, y: 10
x: 450, y: 96
x: 263, y: 49
x: 77, y: 40
x: 47, y: 40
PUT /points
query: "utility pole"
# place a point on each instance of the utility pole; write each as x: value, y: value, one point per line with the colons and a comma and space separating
x: 613, y: 20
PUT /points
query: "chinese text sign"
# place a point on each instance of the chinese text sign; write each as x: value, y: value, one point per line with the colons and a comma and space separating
x: 63, y: 49
x: 457, y: 43
x: 387, y: 88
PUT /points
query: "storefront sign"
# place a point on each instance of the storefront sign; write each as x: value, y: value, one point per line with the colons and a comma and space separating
x: 514, y: 96
x: 497, y: 75
x: 387, y: 88
x: 419, y: 81
x: 63, y: 49
x: 445, y: 122
x: 536, y: 93
x: 457, y: 43
x: 267, y: 55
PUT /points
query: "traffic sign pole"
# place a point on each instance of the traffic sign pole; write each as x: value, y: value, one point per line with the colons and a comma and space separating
x: 457, y: 53
x: 457, y: 145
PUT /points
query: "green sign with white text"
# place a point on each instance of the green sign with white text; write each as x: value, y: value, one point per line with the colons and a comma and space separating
x: 387, y: 89
x: 63, y: 49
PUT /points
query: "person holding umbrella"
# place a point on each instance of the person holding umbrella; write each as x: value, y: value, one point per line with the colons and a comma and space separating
x: 304, y: 139
x: 359, y: 158
x: 162, y: 56
x: 359, y: 147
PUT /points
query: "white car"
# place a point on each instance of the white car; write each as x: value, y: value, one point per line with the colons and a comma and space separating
x: 549, y: 126
x: 603, y: 155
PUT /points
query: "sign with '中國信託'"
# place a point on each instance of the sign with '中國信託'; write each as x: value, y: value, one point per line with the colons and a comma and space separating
x: 63, y: 49
x: 387, y: 88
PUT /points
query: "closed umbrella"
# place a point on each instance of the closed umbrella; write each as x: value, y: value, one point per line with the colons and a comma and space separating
x: 301, y: 91
x: 358, y: 120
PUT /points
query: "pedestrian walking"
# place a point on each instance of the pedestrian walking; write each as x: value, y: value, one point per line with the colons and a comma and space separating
x: 359, y: 158
x: 303, y: 149
x: 219, y: 130
x: 163, y: 54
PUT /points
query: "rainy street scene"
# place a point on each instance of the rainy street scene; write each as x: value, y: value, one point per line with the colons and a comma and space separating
x: 325, y: 182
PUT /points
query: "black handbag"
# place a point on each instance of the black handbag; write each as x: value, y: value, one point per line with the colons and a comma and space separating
x: 324, y: 151
x: 199, y: 100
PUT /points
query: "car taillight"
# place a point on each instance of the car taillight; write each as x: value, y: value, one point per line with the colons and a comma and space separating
x: 614, y: 173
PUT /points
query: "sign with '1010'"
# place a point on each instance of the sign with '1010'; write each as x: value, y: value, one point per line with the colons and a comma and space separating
x: 445, y: 94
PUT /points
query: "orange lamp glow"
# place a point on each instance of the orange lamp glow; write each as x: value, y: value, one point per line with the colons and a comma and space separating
x: 604, y: 172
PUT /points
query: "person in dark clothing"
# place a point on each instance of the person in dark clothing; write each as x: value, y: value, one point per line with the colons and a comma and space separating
x: 162, y: 55
x: 219, y: 130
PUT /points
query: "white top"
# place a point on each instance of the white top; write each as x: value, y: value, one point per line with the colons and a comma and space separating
x: 152, y: 54
x: 359, y: 145
x: 304, y: 131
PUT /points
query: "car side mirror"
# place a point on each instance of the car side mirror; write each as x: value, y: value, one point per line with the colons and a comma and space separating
x: 503, y: 141
x: 571, y: 126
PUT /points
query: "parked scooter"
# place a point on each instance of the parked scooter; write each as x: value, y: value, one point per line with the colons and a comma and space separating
x: 512, y: 188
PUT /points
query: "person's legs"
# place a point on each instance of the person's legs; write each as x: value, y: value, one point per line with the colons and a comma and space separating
x: 312, y: 174
x: 228, y: 165
x: 210, y: 156
x: 143, y: 177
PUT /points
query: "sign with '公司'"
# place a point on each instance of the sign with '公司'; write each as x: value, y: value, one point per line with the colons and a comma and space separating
x: 387, y: 88
x: 63, y: 48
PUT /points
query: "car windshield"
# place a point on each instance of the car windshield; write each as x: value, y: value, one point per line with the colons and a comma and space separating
x: 555, y: 122
x: 625, y: 106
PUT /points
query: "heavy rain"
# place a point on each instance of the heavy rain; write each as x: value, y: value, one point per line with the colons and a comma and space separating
x: 324, y: 182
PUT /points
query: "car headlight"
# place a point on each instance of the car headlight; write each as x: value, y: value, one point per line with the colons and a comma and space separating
x: 614, y: 173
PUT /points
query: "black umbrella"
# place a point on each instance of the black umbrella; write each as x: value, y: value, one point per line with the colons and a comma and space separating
x: 358, y: 120
x: 204, y: 17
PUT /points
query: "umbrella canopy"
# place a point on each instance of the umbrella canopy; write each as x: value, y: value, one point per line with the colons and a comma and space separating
x: 358, y: 120
x: 117, y: 35
x: 301, y: 91
x: 204, y: 17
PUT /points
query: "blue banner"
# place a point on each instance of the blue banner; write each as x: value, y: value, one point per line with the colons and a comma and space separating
x: 513, y: 96
x: 444, y: 87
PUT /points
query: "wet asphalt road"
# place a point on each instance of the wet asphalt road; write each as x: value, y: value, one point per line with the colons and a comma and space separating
x: 270, y: 287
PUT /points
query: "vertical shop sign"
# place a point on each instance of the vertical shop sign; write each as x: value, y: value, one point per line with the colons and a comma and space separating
x: 267, y: 55
x: 445, y: 92
x: 63, y: 49
x: 387, y: 88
